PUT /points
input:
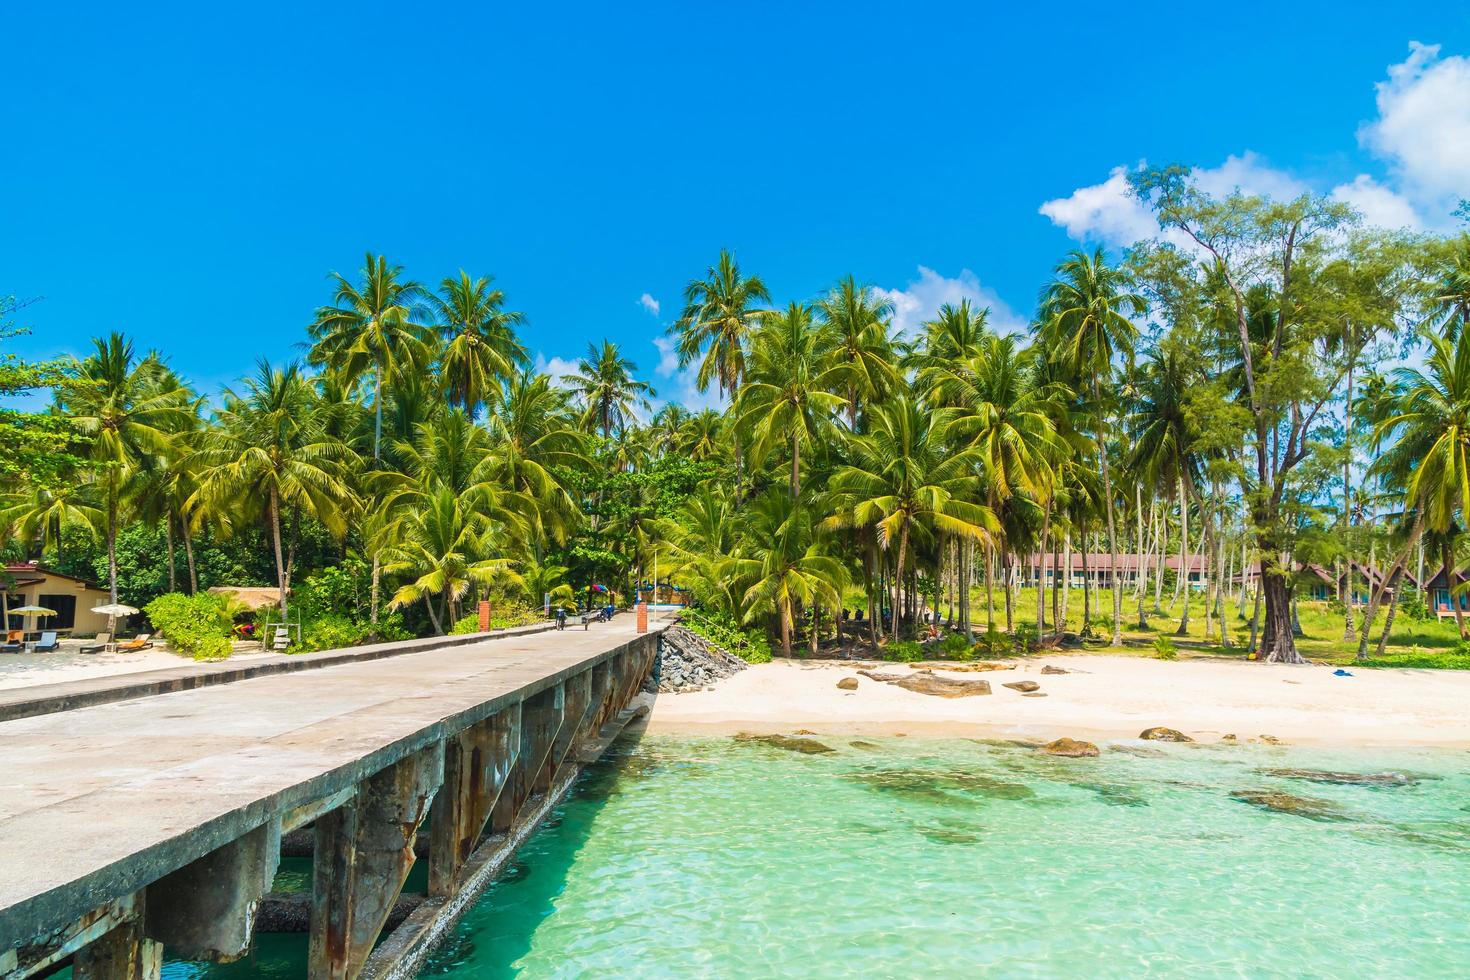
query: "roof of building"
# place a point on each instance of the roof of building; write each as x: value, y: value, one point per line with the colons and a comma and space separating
x: 29, y: 573
x: 252, y: 596
x: 1102, y: 561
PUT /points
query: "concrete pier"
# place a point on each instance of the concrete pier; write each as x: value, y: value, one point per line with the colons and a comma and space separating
x: 133, y: 828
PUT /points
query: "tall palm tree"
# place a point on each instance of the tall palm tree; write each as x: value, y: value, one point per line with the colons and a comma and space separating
x: 480, y: 346
x: 268, y: 453
x: 610, y: 394
x: 719, y: 315
x: 668, y: 425
x: 787, y: 398
x: 371, y: 327
x: 702, y: 433
x: 127, y: 410
x: 786, y: 565
x: 905, y: 478
x: 444, y: 548
x: 38, y: 516
x: 534, y: 441
x: 1424, y: 419
x: 1085, y: 322
x: 1450, y: 292
x: 953, y: 335
x: 855, y: 324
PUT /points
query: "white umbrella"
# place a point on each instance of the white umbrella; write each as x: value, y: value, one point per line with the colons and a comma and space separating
x: 29, y: 611
x: 115, y: 609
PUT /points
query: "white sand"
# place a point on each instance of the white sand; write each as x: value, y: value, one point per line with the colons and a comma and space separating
x: 1102, y: 697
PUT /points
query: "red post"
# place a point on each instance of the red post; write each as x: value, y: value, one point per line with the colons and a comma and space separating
x: 484, y: 615
x: 643, y: 617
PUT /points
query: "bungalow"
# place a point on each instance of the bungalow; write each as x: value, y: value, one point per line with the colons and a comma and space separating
x: 72, y: 599
x: 1441, y: 591
x: 1048, y: 568
x: 1316, y: 582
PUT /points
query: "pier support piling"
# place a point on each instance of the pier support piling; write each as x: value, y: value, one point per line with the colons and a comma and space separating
x: 206, y: 909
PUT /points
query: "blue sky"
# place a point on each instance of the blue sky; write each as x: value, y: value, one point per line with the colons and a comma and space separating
x: 190, y: 175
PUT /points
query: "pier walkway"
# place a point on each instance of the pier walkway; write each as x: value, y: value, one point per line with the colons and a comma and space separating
x: 130, y: 826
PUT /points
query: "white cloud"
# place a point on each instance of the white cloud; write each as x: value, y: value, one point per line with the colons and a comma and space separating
x: 1423, y: 124
x: 921, y: 299
x: 557, y: 367
x: 1109, y: 213
x: 1380, y: 206
x: 649, y: 303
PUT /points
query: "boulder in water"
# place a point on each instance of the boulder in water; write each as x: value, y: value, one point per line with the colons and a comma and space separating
x: 1163, y: 735
x: 806, y: 746
x: 1025, y: 687
x: 1344, y: 778
x: 925, y: 682
x: 1297, y: 806
x: 1071, y: 748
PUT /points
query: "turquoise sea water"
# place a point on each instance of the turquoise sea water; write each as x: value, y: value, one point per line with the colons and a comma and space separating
x: 679, y: 857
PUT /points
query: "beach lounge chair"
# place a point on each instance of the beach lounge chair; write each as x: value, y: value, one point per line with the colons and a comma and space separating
x: 14, y: 642
x: 47, y: 643
x: 143, y: 641
x: 99, y: 644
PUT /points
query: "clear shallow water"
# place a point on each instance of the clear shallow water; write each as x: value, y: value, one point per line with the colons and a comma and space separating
x: 902, y: 857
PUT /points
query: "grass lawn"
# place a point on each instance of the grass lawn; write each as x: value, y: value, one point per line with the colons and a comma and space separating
x: 1412, y: 644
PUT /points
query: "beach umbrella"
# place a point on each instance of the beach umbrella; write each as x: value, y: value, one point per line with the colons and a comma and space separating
x: 115, y: 609
x: 30, y: 611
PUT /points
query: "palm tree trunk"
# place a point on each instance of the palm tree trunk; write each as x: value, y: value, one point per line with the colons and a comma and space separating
x: 1449, y: 577
x: 1086, y: 585
x: 433, y: 616
x: 1102, y: 452
x: 795, y: 467
x: 1393, y: 608
x: 1182, y: 586
x: 1040, y: 572
x: 903, y: 545
x: 989, y: 589
x: 275, y: 516
x: 112, y: 507
x: 168, y: 545
x: 785, y: 607
x: 374, y: 594
x: 1376, y: 599
x: 189, y: 557
x: 1066, y: 579
x: 377, y: 413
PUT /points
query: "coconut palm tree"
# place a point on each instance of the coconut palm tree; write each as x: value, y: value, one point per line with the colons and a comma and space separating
x: 702, y: 433
x: 128, y: 411
x: 444, y: 548
x: 534, y: 441
x: 1085, y: 323
x: 905, y: 478
x: 787, y: 399
x: 785, y: 564
x: 719, y: 314
x: 610, y: 394
x: 480, y: 346
x: 372, y: 327
x: 1450, y: 292
x: 854, y: 323
x: 953, y: 335
x: 268, y: 453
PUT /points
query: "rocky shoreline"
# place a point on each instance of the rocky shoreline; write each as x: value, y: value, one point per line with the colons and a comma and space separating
x: 688, y: 662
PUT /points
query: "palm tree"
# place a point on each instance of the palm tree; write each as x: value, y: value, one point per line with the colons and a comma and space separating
x: 372, y: 327
x: 855, y: 324
x: 610, y: 394
x: 787, y: 567
x: 701, y: 436
x: 787, y: 397
x: 267, y: 453
x: 953, y: 335
x: 443, y: 548
x: 905, y: 479
x: 668, y: 425
x: 1085, y: 322
x: 1450, y: 292
x: 480, y: 346
x: 39, y: 516
x: 533, y: 443
x: 1424, y: 417
x: 719, y: 315
x: 127, y: 412
x: 699, y: 541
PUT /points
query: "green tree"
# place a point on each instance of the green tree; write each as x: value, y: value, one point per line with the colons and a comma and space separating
x: 610, y: 394
x: 786, y: 566
x: 719, y: 315
x: 480, y: 346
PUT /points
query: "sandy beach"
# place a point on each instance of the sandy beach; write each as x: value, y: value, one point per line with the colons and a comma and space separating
x: 69, y: 664
x: 1101, y: 697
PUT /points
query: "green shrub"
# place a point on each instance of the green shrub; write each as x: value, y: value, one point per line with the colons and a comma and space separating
x: 501, y: 617
x: 331, y: 632
x: 955, y: 647
x: 1028, y: 637
x: 1411, y: 604
x: 1164, y: 648
x: 198, y: 625
x: 904, y: 652
x: 750, y: 645
x: 993, y: 643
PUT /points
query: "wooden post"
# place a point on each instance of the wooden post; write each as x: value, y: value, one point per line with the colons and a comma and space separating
x: 122, y: 954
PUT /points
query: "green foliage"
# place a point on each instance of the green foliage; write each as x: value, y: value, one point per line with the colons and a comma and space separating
x: 502, y: 616
x: 955, y: 647
x: 750, y: 645
x: 904, y: 652
x: 198, y: 625
x: 1027, y: 637
x: 1164, y: 648
x: 1411, y: 604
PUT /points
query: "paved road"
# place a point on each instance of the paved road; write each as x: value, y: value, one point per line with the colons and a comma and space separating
x: 94, y: 800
